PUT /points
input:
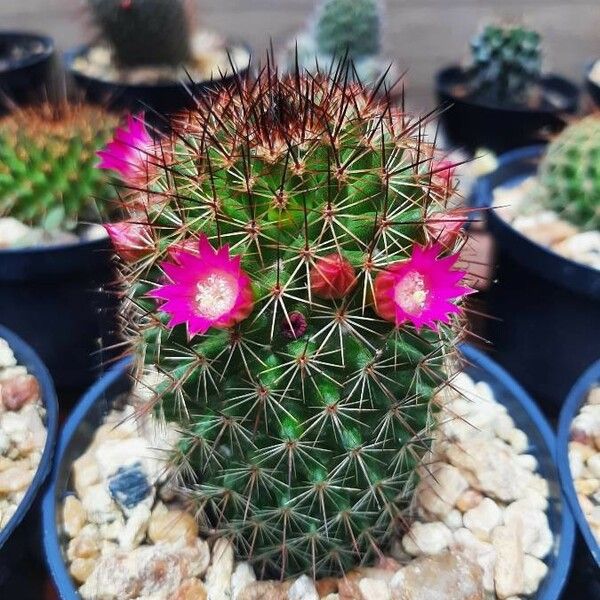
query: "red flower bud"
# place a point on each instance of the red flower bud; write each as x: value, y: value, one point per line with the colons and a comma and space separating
x: 332, y: 277
x: 131, y: 241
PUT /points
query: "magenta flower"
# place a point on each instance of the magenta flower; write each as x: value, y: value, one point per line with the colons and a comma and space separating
x: 130, y: 152
x: 420, y: 290
x: 207, y: 288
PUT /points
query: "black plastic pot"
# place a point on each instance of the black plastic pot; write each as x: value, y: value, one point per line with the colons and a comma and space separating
x: 59, y: 300
x: 589, y: 556
x: 24, y: 79
x: 471, y: 124
x: 161, y: 98
x: 548, y: 306
x: 109, y: 391
x: 592, y: 87
x: 19, y: 533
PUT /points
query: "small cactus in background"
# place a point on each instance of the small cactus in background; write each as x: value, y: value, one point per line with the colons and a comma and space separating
x: 285, y: 284
x: 340, y: 28
x: 569, y: 173
x: 506, y: 62
x: 49, y: 172
x: 352, y: 26
x: 144, y: 32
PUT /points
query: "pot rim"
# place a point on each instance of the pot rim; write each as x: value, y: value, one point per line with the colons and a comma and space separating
x: 33, y: 59
x: 72, y: 53
x: 575, y: 400
x: 27, y: 357
x: 53, y: 249
x: 554, y: 582
x: 482, y: 198
x: 548, y: 80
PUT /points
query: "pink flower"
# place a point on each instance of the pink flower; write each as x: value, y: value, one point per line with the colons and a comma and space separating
x: 207, y: 289
x: 131, y: 241
x: 444, y: 227
x: 130, y: 152
x: 332, y: 277
x: 420, y: 289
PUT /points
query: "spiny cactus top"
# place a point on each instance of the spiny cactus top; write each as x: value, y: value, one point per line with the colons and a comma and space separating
x: 49, y: 172
x: 506, y: 62
x: 570, y: 173
x: 290, y: 264
x: 145, y: 32
x: 352, y: 26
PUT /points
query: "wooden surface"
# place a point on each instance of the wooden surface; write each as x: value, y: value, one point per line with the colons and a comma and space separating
x: 420, y: 35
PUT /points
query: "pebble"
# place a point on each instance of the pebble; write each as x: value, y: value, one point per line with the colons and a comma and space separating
x: 374, y: 589
x: 263, y: 590
x: 129, y: 486
x: 190, y: 589
x: 218, y: 576
x: 482, y: 519
x: 303, y: 589
x: 134, y: 532
x: 438, y: 578
x: 170, y: 526
x: 427, y: 538
x: 509, y: 575
x: 19, y: 391
x: 242, y: 576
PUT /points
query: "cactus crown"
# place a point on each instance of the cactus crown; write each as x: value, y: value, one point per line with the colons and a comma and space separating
x: 349, y: 26
x: 144, y: 32
x: 570, y: 173
x: 285, y: 267
x: 506, y: 62
x: 48, y: 163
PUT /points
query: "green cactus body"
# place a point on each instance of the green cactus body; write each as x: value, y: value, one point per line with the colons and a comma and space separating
x: 144, y: 32
x: 302, y: 424
x: 48, y: 163
x: 506, y: 62
x: 570, y: 173
x: 352, y: 26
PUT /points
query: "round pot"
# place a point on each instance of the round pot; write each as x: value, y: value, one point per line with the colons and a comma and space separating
x: 87, y: 417
x: 18, y: 534
x: 590, y: 558
x: 545, y: 308
x: 592, y: 87
x: 472, y: 123
x: 156, y: 99
x: 58, y: 298
x: 24, y: 79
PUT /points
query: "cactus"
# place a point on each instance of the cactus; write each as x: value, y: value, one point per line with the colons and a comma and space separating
x: 506, y: 62
x: 569, y: 173
x: 352, y: 26
x: 48, y: 163
x: 288, y: 295
x: 343, y: 28
x: 144, y: 32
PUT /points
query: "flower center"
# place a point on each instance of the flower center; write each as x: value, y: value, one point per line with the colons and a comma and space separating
x: 411, y: 294
x: 216, y: 295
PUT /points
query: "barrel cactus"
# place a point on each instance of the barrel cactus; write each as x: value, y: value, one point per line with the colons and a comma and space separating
x: 569, y: 173
x: 343, y: 28
x: 49, y: 172
x: 352, y: 26
x: 144, y: 32
x: 506, y: 62
x: 292, y: 287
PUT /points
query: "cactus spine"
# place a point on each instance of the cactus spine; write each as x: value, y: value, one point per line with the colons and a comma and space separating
x: 48, y: 163
x: 144, y: 32
x: 281, y: 299
x: 570, y: 173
